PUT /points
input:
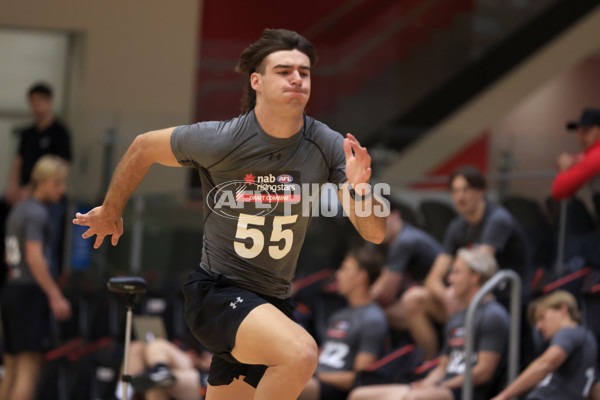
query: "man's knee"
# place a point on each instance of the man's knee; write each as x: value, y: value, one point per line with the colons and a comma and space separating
x: 304, y: 354
x: 158, y: 346
x: 414, y: 395
x: 413, y: 301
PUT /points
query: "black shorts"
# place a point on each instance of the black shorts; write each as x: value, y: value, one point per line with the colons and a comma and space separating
x: 214, y: 309
x: 329, y: 392
x: 25, y: 319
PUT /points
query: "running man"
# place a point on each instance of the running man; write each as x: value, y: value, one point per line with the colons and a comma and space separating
x: 254, y: 169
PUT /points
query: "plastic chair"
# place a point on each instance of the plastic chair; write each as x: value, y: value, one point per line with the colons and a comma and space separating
x: 437, y: 215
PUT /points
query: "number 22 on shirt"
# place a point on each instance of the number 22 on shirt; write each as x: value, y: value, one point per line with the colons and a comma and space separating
x: 279, y: 232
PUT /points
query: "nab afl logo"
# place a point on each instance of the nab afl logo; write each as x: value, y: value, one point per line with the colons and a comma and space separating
x: 285, y: 178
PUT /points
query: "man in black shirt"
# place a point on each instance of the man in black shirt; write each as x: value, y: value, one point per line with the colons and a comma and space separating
x: 410, y: 254
x: 46, y: 136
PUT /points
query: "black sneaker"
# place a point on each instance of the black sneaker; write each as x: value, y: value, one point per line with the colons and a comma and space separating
x: 154, y: 378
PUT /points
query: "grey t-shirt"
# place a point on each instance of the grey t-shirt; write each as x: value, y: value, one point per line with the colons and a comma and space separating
x: 413, y: 251
x: 499, y: 229
x: 252, y: 187
x: 351, y: 331
x: 27, y: 221
x: 574, y: 378
x: 492, y: 324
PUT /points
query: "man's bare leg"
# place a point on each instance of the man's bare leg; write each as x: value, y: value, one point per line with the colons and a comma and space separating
x: 420, y: 309
x: 380, y: 392
x: 162, y: 351
x: 238, y: 389
x: 26, y: 375
x: 312, y: 390
x: 430, y: 393
x: 187, y: 386
x: 267, y: 336
x: 8, y: 379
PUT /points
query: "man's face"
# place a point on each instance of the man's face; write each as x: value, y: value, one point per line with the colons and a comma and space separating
x: 54, y: 188
x: 285, y: 81
x: 464, y: 197
x: 587, y: 135
x: 461, y: 278
x: 548, y: 321
x: 40, y: 104
x: 348, y: 275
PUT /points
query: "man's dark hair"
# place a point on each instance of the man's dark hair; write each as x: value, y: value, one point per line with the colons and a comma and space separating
x: 370, y: 259
x: 40, y: 88
x: 472, y: 175
x: 252, y: 57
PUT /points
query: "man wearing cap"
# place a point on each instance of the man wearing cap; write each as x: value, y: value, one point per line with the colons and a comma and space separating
x: 470, y: 270
x: 577, y: 169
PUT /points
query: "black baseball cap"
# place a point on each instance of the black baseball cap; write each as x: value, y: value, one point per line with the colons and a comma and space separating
x: 589, y: 117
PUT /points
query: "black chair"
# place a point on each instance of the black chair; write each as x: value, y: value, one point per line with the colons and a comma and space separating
x: 579, y: 218
x: 409, y: 214
x: 529, y: 213
x: 596, y: 200
x: 437, y: 215
x: 590, y: 309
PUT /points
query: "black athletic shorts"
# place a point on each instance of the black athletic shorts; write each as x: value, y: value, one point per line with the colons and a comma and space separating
x: 214, y: 309
x: 25, y: 319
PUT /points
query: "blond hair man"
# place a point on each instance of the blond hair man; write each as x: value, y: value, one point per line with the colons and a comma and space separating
x: 566, y: 370
x: 31, y: 291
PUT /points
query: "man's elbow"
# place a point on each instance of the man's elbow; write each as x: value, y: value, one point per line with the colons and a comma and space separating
x: 561, y: 191
x: 141, y: 148
x: 558, y: 194
x: 483, y: 376
x: 375, y: 237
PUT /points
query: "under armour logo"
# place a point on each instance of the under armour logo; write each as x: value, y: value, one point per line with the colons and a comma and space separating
x: 272, y: 156
x: 233, y: 303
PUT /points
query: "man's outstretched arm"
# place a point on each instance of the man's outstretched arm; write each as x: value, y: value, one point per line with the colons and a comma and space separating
x: 146, y: 149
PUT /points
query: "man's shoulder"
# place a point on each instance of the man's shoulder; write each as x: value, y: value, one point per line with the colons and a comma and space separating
x: 243, y: 123
x: 574, y: 333
x: 319, y: 132
x: 372, y: 316
x: 497, y: 213
x: 412, y: 234
x: 496, y: 210
x: 223, y: 132
x: 25, y: 130
x: 58, y: 126
x: 493, y: 310
x: 30, y: 208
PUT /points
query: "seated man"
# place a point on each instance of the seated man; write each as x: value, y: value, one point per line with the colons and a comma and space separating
x: 162, y: 370
x: 480, y: 222
x: 411, y: 252
x: 471, y: 269
x: 356, y: 334
x: 566, y: 370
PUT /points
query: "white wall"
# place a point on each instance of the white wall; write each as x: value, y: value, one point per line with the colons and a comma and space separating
x: 502, y: 99
x: 533, y: 131
x: 134, y: 70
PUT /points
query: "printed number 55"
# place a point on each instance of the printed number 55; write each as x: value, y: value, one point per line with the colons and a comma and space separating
x: 258, y: 239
